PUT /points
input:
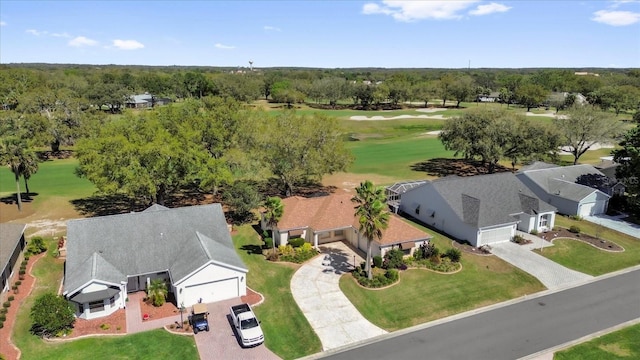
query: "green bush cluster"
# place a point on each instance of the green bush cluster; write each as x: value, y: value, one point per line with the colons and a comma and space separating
x: 518, y: 239
x: 36, y: 245
x: 394, y: 259
x: 377, y: 261
x: 380, y: 279
x: 426, y: 251
x: 268, y: 243
x: 297, y: 254
x: 296, y: 242
x: 575, y: 229
x: 453, y: 254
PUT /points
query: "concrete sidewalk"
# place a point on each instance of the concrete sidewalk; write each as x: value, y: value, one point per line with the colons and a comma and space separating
x: 551, y: 274
x: 315, y: 287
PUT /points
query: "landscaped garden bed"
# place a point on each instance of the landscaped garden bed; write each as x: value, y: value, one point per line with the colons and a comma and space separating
x: 561, y: 232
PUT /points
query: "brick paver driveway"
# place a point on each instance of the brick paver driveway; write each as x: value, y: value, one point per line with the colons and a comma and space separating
x: 221, y: 341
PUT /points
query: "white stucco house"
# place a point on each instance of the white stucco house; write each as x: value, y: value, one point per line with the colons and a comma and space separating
x: 111, y: 256
x: 325, y: 219
x: 482, y: 209
x: 565, y: 187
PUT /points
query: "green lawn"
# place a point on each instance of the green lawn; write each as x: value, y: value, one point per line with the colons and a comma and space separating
x: 622, y: 344
x: 395, y: 158
x: 423, y: 296
x: 54, y: 178
x: 287, y: 331
x: 587, y: 259
x: 157, y: 344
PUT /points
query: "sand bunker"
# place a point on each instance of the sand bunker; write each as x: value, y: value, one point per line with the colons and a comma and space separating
x: 566, y: 150
x: 431, y: 110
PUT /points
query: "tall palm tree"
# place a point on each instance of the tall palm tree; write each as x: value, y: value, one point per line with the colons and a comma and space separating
x: 272, y: 215
x: 28, y: 168
x: 373, y: 216
x: 157, y: 292
x: 14, y: 153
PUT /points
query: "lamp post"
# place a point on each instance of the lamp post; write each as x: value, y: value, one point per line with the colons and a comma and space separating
x: 181, y: 312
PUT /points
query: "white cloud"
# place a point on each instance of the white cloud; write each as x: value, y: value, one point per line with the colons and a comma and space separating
x: 36, y: 32
x: 2, y: 23
x: 221, y: 46
x: 62, y: 35
x: 489, y: 9
x: 81, y: 41
x: 403, y: 10
x: 616, y: 18
x: 271, y: 28
x: 616, y: 3
x: 127, y: 44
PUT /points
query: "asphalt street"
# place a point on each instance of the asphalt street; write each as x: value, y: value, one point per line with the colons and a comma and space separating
x: 517, y: 330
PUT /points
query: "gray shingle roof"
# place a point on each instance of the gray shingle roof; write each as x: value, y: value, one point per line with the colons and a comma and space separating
x: 180, y: 240
x: 486, y: 200
x: 10, y: 235
x: 561, y: 180
x: 537, y: 165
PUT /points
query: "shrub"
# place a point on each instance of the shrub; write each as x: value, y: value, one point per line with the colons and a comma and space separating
x: 24, y: 262
x: 6, y: 304
x: 3, y: 317
x: 533, y: 232
x: 393, y: 259
x: 306, y: 247
x: 36, y: 245
x: 22, y: 272
x: 3, y: 311
x: 377, y: 261
x: 15, y: 288
x: 268, y: 243
x: 26, y: 257
x: 575, y: 217
x: 575, y: 229
x: 104, y: 326
x: 273, y: 256
x: 425, y: 251
x: 453, y: 254
x: 392, y: 274
x: 1, y: 324
x: 285, y: 249
x: 10, y: 298
x: 18, y: 282
x: 518, y: 239
x: 296, y: 242
x: 157, y: 292
x: 51, y: 314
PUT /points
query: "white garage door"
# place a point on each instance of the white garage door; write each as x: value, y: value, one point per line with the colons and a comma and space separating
x: 494, y: 236
x: 212, y: 291
x: 594, y: 208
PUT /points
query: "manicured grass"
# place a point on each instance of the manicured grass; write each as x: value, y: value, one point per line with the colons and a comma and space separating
x: 395, y: 158
x: 587, y: 259
x: 54, y: 178
x: 287, y: 331
x: 622, y: 344
x: 423, y: 296
x: 148, y: 345
x: 590, y: 157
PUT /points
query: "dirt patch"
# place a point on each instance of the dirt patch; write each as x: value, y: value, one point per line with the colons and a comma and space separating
x: 615, y: 349
x: 349, y: 181
x: 593, y: 241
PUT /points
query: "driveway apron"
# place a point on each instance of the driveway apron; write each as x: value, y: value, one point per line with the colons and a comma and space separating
x: 315, y: 287
x: 616, y: 223
x: 551, y: 274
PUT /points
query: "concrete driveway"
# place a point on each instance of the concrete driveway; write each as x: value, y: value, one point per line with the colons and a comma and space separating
x: 221, y: 341
x: 551, y: 274
x: 616, y: 223
x: 315, y: 288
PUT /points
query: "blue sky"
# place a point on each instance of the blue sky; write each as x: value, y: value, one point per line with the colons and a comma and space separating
x: 330, y: 34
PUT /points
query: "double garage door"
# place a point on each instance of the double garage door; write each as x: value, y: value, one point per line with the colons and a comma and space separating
x: 492, y: 236
x: 212, y: 291
x: 593, y: 208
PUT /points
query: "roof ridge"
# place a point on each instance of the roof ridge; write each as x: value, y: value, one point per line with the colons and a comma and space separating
x: 200, y: 237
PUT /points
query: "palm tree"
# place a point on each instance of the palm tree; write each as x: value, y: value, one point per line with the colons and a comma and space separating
x: 28, y: 168
x: 373, y: 216
x: 15, y: 154
x: 157, y: 292
x: 272, y: 215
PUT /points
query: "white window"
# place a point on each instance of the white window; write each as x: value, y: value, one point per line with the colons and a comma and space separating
x: 96, y: 306
x: 338, y: 233
x: 544, y: 221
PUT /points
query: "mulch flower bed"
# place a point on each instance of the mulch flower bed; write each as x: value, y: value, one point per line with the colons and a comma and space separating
x: 7, y: 349
x: 565, y: 233
x: 467, y: 248
x: 158, y: 312
x: 115, y: 323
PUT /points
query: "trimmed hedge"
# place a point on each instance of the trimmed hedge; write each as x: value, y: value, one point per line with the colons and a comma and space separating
x: 296, y: 242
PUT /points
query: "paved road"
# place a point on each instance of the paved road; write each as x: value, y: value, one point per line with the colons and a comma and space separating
x: 517, y: 330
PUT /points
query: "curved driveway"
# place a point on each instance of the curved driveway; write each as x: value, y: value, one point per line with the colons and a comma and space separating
x: 315, y: 288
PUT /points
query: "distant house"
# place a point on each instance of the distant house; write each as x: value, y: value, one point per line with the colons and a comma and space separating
x: 395, y: 191
x: 608, y: 167
x: 145, y: 101
x: 190, y: 248
x: 575, y: 190
x: 12, y: 244
x: 491, y: 97
x: 330, y: 218
x: 482, y: 209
